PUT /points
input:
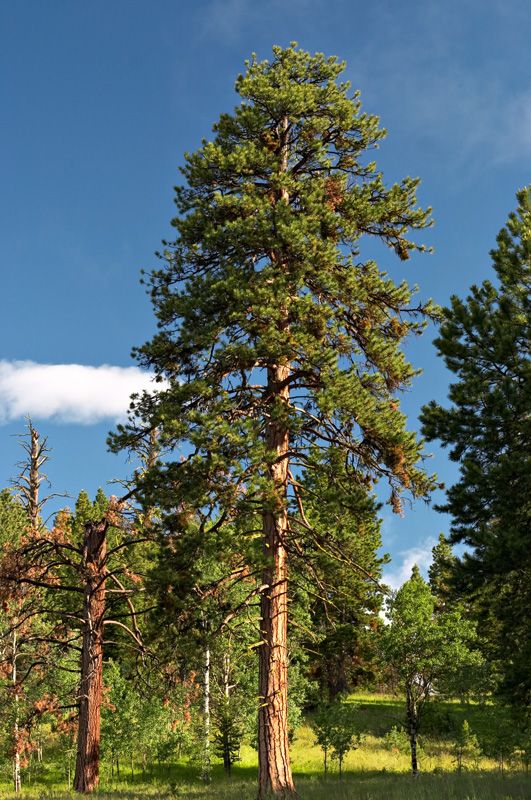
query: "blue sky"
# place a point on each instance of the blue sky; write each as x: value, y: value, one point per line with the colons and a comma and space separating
x: 99, y: 102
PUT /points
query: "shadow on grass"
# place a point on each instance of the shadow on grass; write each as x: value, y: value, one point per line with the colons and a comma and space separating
x: 440, y: 717
x: 367, y: 786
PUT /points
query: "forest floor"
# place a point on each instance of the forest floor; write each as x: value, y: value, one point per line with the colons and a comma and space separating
x: 377, y: 770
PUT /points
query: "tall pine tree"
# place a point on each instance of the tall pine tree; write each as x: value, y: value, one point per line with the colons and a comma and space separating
x: 485, y: 341
x: 277, y: 340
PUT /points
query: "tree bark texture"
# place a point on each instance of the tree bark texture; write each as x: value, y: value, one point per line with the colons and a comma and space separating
x: 35, y: 478
x: 91, y: 685
x: 275, y: 778
x: 412, y: 716
x: 206, y: 765
x: 227, y: 759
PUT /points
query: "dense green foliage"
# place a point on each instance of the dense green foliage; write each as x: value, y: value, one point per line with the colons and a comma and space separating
x: 441, y: 571
x: 335, y: 732
x: 427, y: 649
x: 375, y: 767
x: 280, y: 351
x: 267, y: 269
x: 485, y: 341
x: 279, y: 356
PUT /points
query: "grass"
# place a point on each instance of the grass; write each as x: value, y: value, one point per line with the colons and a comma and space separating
x: 372, y: 772
x: 376, y: 786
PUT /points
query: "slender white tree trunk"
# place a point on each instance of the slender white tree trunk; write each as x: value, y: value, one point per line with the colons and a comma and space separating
x: 226, y: 675
x: 206, y: 768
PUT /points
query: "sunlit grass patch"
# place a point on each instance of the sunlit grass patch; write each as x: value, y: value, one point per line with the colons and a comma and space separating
x: 377, y: 770
x: 380, y: 786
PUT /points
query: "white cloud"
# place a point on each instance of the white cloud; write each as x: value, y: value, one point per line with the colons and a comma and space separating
x: 419, y: 555
x: 68, y: 392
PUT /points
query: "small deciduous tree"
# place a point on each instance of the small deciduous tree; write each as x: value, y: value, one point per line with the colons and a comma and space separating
x: 397, y: 740
x: 335, y: 732
x: 425, y: 649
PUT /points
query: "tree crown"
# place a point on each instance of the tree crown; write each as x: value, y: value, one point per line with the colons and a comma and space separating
x: 266, y: 271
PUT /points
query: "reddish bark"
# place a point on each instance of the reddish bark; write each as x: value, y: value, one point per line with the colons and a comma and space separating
x: 91, y: 684
x: 274, y: 767
x: 275, y: 778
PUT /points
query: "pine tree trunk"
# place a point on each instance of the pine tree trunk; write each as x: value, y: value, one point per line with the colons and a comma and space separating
x: 275, y: 778
x: 90, y: 692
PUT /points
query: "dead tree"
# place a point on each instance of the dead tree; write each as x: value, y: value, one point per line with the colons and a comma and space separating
x: 46, y: 561
x: 27, y: 488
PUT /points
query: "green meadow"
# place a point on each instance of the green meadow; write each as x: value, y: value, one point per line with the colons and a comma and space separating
x: 376, y: 770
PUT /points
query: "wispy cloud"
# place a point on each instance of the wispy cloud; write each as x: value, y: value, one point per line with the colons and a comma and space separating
x: 406, y: 559
x: 516, y: 132
x: 470, y: 106
x: 479, y: 114
x: 230, y: 20
x: 224, y: 19
x: 71, y: 393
